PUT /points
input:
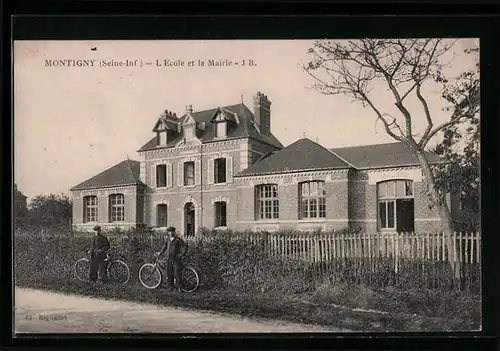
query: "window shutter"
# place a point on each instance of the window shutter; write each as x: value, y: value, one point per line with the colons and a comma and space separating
x: 154, y: 217
x: 229, y: 169
x: 210, y: 170
x: 153, y: 176
x: 169, y: 175
x: 197, y: 172
x: 180, y: 173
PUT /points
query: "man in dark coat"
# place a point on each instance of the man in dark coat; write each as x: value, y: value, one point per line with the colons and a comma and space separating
x: 98, y: 253
x: 176, y: 249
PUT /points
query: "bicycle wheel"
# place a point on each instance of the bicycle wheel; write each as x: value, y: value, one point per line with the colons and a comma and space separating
x: 150, y: 276
x: 190, y: 279
x: 82, y: 269
x: 118, y: 272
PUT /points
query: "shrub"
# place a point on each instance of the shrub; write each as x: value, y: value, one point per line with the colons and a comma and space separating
x: 244, y: 266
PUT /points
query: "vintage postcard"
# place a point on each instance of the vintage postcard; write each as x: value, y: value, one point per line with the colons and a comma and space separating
x: 314, y: 185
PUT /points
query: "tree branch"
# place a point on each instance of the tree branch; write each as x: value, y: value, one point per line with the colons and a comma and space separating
x: 427, y: 114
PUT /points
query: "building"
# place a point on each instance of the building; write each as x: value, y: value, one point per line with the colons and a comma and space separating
x: 223, y: 168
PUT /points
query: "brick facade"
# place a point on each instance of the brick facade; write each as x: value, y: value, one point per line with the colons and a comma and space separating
x: 350, y: 192
x: 133, y: 198
x: 351, y: 201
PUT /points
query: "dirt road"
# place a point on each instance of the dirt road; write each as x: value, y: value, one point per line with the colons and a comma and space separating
x: 47, y: 312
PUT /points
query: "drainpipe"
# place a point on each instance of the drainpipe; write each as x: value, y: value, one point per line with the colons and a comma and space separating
x: 201, y: 184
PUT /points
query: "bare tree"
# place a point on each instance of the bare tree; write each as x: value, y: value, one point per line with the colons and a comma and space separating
x: 403, y: 66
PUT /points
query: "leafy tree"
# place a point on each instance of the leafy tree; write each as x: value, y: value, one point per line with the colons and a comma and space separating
x: 20, y: 208
x: 460, y: 147
x: 403, y: 66
x: 50, y: 210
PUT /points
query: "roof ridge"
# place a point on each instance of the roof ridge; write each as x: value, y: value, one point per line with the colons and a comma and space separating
x: 215, y: 108
x: 343, y: 159
x: 366, y: 145
x: 329, y: 151
x: 130, y: 169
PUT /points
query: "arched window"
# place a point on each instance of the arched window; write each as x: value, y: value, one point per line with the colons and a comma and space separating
x: 90, y: 209
x: 116, y: 208
x: 267, y: 201
x: 312, y: 199
x: 396, y: 205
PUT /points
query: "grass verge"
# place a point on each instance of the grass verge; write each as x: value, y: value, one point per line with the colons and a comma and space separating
x: 262, y: 305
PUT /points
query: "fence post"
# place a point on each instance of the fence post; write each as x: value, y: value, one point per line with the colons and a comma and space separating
x: 471, y: 255
x: 396, y: 251
x: 478, y: 248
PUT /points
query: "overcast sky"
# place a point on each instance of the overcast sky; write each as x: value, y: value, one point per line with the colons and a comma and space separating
x: 71, y: 123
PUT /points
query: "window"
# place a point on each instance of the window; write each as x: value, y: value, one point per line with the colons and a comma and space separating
x: 395, y: 205
x: 161, y: 211
x: 116, y: 208
x: 312, y: 200
x: 267, y: 201
x: 161, y: 176
x: 220, y: 129
x: 162, y: 137
x: 189, y: 133
x: 189, y: 173
x: 220, y: 170
x: 90, y: 209
x: 220, y: 214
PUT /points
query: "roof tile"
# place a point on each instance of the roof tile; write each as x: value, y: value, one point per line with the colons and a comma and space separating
x: 382, y: 155
x: 244, y: 128
x: 123, y: 173
x: 304, y: 154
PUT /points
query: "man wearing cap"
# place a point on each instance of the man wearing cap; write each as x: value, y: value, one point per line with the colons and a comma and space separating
x: 176, y: 249
x: 100, y: 247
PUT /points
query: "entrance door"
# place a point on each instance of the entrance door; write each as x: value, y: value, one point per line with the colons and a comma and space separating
x: 189, y: 219
x: 405, y: 215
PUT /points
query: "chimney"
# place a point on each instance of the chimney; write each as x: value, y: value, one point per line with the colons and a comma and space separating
x: 189, y: 109
x: 262, y: 113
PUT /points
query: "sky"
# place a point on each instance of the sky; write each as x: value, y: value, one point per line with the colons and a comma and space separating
x: 71, y: 123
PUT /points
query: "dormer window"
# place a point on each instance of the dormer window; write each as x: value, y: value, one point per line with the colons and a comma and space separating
x: 220, y: 129
x: 162, y: 137
x: 220, y: 125
x: 189, y: 133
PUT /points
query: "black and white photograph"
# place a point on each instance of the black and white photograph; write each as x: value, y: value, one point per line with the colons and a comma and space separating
x: 247, y: 186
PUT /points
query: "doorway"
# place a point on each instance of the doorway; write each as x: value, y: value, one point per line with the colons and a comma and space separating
x: 189, y: 219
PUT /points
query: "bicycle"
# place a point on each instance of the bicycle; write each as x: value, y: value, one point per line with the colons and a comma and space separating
x: 151, y: 276
x: 118, y: 270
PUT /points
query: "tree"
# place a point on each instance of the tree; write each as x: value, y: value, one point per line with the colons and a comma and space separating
x: 50, y: 210
x: 403, y: 66
x: 20, y: 208
x: 460, y: 147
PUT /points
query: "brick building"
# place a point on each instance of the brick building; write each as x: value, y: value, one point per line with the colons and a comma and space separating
x: 223, y: 168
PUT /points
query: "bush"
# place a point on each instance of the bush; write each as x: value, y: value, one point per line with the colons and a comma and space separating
x: 244, y: 266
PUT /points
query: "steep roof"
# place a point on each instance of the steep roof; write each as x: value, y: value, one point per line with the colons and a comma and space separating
x: 123, y: 173
x: 245, y: 128
x: 382, y: 155
x: 302, y: 155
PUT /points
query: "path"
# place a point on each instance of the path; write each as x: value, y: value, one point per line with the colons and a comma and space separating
x: 40, y: 311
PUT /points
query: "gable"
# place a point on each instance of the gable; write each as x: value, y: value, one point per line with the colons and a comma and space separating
x: 159, y: 126
x: 188, y: 120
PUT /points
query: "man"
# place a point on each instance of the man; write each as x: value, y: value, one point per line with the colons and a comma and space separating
x: 100, y: 247
x: 176, y: 249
